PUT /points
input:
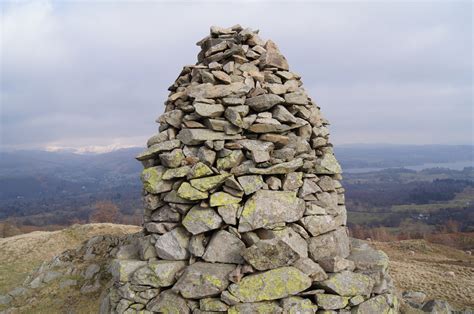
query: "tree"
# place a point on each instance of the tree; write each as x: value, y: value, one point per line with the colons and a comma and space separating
x: 105, y: 211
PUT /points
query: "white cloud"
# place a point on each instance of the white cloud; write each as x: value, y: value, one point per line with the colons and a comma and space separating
x: 87, y: 73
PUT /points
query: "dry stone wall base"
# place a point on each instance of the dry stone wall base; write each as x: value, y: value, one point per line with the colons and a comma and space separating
x: 244, y: 207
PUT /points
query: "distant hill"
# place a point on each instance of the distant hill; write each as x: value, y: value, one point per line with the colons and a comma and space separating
x: 62, y: 187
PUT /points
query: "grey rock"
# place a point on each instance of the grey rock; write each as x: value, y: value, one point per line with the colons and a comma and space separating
x: 224, y: 247
x: 251, y: 183
x: 334, y: 243
x: 173, y: 245
x: 155, y: 149
x: 199, y: 220
x: 165, y: 214
x: 172, y: 159
x: 289, y: 236
x: 153, y: 182
x: 333, y: 302
x: 377, y: 304
x: 206, y: 155
x: 263, y: 102
x: 5, y: 299
x: 310, y: 268
x: 217, y: 91
x: 91, y: 270
x: 282, y: 168
x: 272, y: 57
x: 269, y: 254
x: 319, y: 224
x: 295, y: 304
x: 201, y: 280
x: 432, y: 306
x: 198, y: 136
x: 309, y: 187
x: 283, y: 115
x: 160, y: 227
x: 347, y: 283
x: 122, y: 270
x: 293, y: 181
x: 168, y: 302
x: 257, y: 307
x: 173, y: 118
x: 297, y: 98
x: 158, y: 273
x: 222, y: 76
x: 273, y: 183
x: 197, y: 244
x: 265, y: 208
x: 233, y: 101
x: 209, y: 110
x: 336, y: 264
x: 229, y: 213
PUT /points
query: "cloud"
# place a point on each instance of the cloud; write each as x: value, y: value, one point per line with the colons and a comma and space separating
x: 96, y: 73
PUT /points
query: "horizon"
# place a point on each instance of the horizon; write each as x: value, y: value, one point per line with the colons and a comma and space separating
x: 94, y: 81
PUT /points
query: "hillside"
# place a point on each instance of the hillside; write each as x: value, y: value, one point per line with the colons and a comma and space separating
x: 76, y: 278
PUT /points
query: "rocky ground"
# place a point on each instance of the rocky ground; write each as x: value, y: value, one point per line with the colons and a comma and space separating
x: 439, y: 271
x: 35, y: 277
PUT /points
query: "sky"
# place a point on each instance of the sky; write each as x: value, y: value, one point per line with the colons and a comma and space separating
x: 94, y: 74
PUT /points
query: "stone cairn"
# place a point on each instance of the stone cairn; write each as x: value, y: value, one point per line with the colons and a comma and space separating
x: 244, y: 208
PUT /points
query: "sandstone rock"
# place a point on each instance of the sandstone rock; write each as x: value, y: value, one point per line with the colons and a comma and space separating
x: 269, y: 254
x: 199, y: 220
x: 224, y: 247
x: 270, y: 285
x: 201, y: 280
x: 265, y: 208
x: 173, y: 245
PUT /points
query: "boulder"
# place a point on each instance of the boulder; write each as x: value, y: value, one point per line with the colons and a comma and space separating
x: 270, y: 285
x: 201, y: 280
x: 266, y: 208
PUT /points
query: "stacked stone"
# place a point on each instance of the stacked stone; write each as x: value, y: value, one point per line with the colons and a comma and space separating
x: 244, y: 208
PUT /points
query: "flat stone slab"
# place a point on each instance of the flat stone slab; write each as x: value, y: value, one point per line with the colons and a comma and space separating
x: 348, y: 284
x: 266, y: 208
x: 270, y: 285
x: 198, y: 136
x: 201, y: 280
